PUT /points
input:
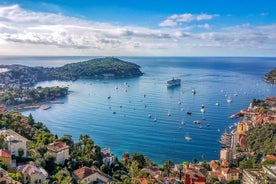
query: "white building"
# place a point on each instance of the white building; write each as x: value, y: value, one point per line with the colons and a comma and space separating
x: 108, y: 158
x: 15, y: 141
x: 60, y: 150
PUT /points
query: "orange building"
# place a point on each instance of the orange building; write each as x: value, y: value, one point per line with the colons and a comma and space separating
x: 194, y: 176
x: 5, y: 157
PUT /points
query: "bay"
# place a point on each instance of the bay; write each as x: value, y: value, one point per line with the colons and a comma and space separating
x: 122, y: 122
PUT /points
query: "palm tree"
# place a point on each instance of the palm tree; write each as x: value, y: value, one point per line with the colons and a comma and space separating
x: 167, y: 167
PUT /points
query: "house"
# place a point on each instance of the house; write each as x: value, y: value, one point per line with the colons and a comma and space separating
x: 5, y: 157
x: 108, y: 158
x: 230, y: 173
x: 15, y: 142
x: 194, y: 175
x: 155, y: 173
x: 32, y: 174
x: 90, y: 175
x: 214, y: 166
x: 223, y: 173
x: 60, y: 150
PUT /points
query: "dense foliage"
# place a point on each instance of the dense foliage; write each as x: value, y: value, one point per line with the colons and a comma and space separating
x: 262, y: 139
x: 98, y: 68
x: 19, y: 75
x: 16, y: 96
x: 271, y: 76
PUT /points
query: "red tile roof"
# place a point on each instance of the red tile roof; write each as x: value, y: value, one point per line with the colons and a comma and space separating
x: 271, y: 157
x: 84, y: 172
x: 214, y: 165
x: 5, y: 153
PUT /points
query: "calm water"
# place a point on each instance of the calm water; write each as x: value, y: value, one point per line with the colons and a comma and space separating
x: 88, y: 111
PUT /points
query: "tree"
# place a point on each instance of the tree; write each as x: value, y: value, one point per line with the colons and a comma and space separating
x: 180, y: 168
x: 50, y: 163
x: 167, y: 167
x: 134, y: 172
x: 140, y: 159
x: 195, y: 160
x: 3, y: 144
x: 21, y: 152
x: 31, y: 119
x: 16, y: 176
x: 63, y: 177
x: 2, y: 165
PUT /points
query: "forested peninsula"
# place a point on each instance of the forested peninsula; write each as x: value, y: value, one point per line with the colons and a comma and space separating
x: 109, y: 67
x: 271, y: 76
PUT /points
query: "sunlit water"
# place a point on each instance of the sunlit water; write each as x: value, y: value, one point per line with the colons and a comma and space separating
x: 122, y: 122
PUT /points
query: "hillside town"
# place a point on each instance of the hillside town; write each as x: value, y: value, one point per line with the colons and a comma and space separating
x: 22, y: 161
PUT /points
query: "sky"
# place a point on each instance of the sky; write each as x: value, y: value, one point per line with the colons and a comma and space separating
x: 138, y: 28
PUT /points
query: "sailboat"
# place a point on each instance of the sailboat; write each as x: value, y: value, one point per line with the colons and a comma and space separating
x: 188, y: 138
x: 229, y: 100
x: 202, y: 110
x: 193, y: 91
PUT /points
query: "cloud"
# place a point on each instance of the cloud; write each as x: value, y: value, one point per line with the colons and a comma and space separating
x: 28, y: 32
x: 175, y: 19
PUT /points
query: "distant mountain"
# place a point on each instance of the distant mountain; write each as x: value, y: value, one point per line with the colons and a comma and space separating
x: 109, y: 67
x: 271, y: 76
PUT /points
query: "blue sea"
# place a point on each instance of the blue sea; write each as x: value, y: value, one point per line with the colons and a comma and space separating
x: 121, y: 122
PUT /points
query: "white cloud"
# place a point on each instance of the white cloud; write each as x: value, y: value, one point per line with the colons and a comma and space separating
x: 175, y: 19
x: 28, y: 32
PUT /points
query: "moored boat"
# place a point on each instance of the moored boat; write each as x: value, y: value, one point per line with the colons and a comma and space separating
x: 188, y: 138
x: 173, y: 82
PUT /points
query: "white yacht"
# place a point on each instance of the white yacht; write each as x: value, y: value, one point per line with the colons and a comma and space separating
x: 173, y: 82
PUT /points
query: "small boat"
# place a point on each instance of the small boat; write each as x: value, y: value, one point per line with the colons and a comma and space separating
x: 182, y: 122
x: 217, y: 104
x: 169, y: 113
x: 188, y: 138
x: 197, y: 122
x: 173, y: 82
x: 229, y: 100
x: 149, y: 115
x: 109, y: 97
x: 155, y: 120
x: 114, y: 112
x: 208, y: 124
x: 189, y: 112
x: 202, y: 110
x: 193, y: 91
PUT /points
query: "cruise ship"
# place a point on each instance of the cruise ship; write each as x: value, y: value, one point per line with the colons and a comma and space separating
x: 173, y: 82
